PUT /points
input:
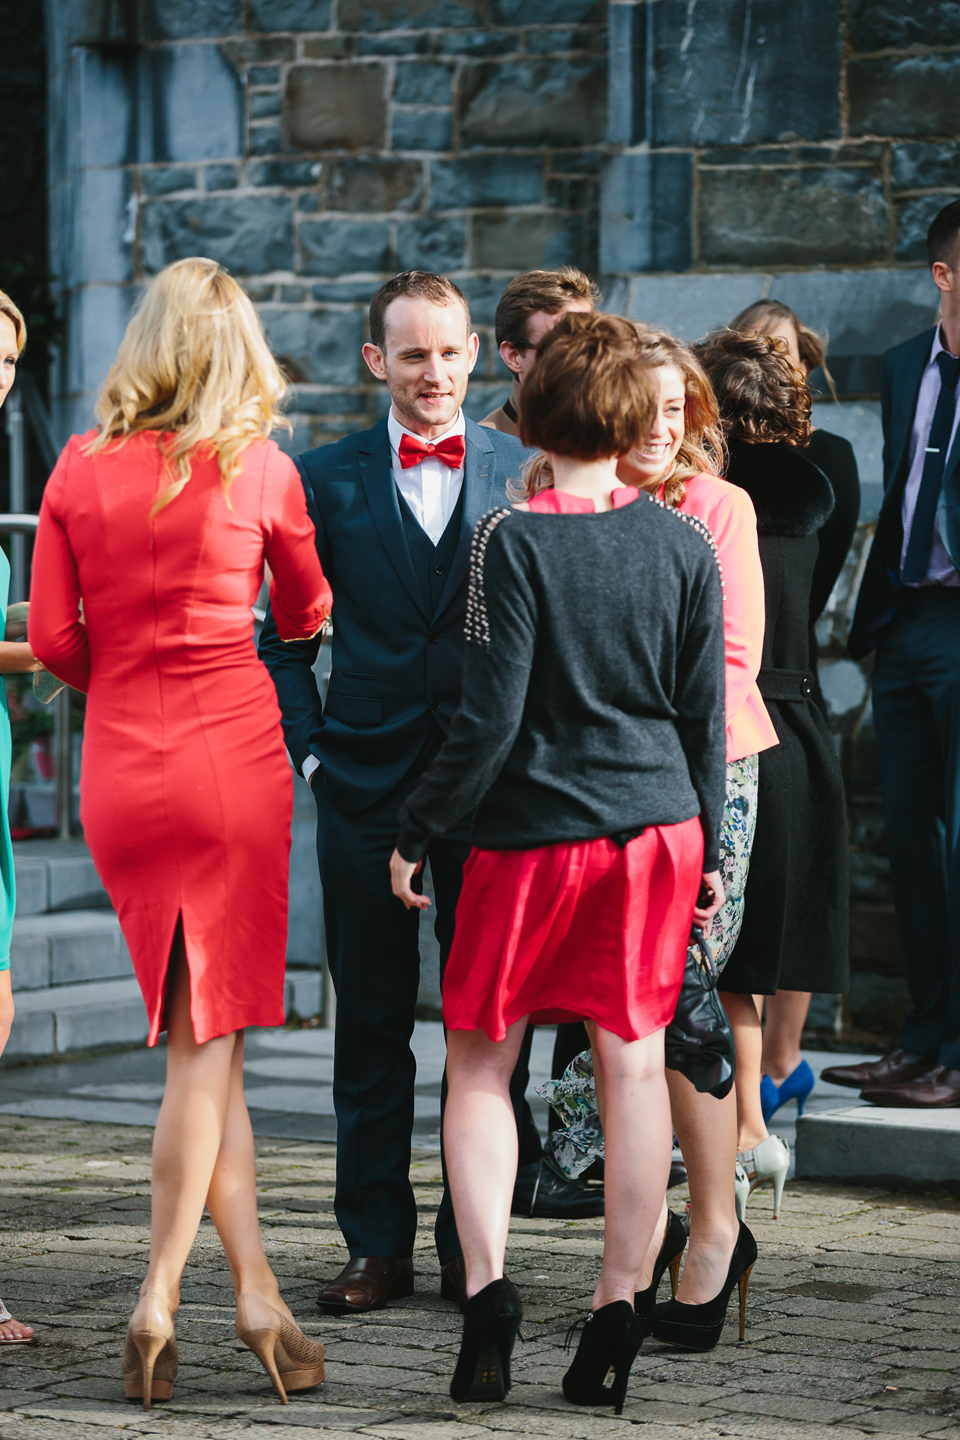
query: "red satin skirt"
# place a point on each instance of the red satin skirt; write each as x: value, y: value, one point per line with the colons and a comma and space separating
x: 585, y: 931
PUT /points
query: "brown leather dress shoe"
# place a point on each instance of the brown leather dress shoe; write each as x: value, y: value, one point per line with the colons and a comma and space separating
x: 453, y: 1282
x: 937, y: 1090
x: 367, y: 1282
x: 893, y: 1069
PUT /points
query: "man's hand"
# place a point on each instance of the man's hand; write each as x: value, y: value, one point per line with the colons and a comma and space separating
x: 703, y: 914
x: 401, y: 873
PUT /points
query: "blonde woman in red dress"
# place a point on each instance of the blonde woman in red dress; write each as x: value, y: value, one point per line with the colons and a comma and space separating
x: 153, y: 537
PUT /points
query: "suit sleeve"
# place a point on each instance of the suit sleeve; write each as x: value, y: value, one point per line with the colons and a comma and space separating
x: 699, y: 702
x: 291, y: 663
x: 495, y: 679
x: 54, y: 628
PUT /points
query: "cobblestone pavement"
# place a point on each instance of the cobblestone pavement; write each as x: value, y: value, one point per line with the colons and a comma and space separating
x: 852, y: 1322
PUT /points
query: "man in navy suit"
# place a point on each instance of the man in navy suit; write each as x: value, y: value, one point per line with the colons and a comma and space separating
x: 909, y: 609
x: 395, y: 508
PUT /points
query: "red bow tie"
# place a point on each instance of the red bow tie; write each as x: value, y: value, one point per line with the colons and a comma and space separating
x: 451, y: 451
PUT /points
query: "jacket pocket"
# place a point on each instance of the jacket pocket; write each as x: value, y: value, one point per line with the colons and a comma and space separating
x: 353, y: 709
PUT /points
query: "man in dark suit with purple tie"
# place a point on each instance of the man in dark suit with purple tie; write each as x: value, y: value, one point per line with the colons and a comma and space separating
x: 909, y: 609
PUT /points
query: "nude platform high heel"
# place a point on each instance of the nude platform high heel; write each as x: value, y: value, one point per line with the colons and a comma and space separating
x: 149, y: 1365
x: 291, y: 1360
x: 767, y: 1163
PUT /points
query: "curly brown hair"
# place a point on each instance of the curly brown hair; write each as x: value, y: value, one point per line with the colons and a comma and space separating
x: 762, y: 395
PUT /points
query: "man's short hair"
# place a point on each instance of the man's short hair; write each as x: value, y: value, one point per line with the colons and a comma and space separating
x: 548, y: 292
x: 590, y: 393
x: 943, y: 237
x: 420, y: 285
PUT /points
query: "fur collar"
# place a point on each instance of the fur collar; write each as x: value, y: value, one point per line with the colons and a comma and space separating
x: 790, y: 494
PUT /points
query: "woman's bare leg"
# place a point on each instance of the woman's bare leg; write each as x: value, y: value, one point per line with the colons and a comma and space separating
x: 786, y: 1017
x: 707, y: 1131
x: 480, y: 1143
x: 744, y: 1020
x: 636, y: 1126
x: 188, y: 1136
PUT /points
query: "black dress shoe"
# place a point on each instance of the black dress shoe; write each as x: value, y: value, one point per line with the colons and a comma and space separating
x: 543, y: 1192
x: 893, y: 1069
x: 939, y: 1089
x: 367, y: 1282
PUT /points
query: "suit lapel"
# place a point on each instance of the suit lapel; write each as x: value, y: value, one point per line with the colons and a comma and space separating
x: 480, y: 494
x: 376, y: 474
x: 906, y: 393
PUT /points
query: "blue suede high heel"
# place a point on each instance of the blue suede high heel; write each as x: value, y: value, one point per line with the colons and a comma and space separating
x: 797, y: 1086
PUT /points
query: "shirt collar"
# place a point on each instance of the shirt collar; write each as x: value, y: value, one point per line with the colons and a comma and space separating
x: 938, y: 345
x: 396, y: 431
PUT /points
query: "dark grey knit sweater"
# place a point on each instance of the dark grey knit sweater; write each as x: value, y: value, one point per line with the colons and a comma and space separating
x: 593, y: 686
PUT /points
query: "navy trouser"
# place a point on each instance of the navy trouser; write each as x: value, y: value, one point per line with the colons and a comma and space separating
x: 374, y: 958
x: 916, y: 706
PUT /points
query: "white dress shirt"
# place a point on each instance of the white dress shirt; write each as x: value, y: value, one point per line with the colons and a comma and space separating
x: 431, y: 489
x: 940, y: 568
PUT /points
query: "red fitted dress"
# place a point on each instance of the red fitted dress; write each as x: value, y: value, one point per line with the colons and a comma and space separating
x: 186, y: 793
x: 592, y: 930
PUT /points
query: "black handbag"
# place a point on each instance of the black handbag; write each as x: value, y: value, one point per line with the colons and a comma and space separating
x: 699, y: 1042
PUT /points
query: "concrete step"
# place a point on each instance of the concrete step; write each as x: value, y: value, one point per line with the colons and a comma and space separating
x: 56, y: 875
x: 97, y: 1014
x: 868, y: 1144
x: 66, y: 948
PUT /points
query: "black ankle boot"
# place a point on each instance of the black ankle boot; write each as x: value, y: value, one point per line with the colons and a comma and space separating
x: 490, y: 1324
x: 611, y: 1336
x: 674, y: 1240
x: 699, y: 1327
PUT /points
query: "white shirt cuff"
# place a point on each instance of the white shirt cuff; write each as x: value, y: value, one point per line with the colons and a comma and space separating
x: 309, y: 765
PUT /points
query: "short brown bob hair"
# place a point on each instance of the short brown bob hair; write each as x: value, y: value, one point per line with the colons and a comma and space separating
x: 590, y: 393
x: 541, y: 292
x: 761, y: 394
x: 421, y: 285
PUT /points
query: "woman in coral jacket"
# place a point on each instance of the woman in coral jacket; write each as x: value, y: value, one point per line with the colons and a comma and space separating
x: 149, y: 554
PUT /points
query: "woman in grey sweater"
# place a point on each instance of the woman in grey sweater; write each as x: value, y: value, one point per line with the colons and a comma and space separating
x: 590, y: 741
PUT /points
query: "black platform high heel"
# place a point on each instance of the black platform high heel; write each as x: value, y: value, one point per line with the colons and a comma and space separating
x: 490, y: 1324
x: 699, y: 1327
x: 674, y: 1241
x: 610, y: 1339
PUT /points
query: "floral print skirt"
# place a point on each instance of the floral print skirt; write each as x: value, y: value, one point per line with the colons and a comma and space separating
x: 574, y: 1095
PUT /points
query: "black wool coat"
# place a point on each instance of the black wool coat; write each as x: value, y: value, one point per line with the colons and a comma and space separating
x: 795, y: 933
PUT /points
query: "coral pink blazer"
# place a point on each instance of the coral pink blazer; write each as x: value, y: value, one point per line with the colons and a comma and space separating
x: 729, y: 514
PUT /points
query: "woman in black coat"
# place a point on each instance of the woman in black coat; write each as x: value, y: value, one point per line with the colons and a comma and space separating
x: 795, y: 924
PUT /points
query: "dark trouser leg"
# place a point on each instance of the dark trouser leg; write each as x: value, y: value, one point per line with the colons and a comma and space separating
x: 916, y: 702
x: 375, y: 965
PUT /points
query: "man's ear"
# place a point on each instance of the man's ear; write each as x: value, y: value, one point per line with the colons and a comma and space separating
x: 510, y: 356
x: 373, y: 355
x: 473, y: 350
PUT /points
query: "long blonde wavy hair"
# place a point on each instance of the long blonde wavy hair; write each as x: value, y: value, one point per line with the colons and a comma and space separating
x: 702, y: 448
x: 195, y: 366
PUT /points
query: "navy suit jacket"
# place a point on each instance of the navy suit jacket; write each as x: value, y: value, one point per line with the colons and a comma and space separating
x: 394, y: 661
x: 879, y: 597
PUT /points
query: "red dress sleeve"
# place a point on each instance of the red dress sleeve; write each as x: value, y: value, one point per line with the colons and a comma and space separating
x: 54, y: 628
x: 300, y: 597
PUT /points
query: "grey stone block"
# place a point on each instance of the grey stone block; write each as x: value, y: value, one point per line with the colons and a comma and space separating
x: 198, y: 106
x: 263, y: 75
x: 905, y: 1150
x: 920, y: 167
x: 264, y: 138
x: 548, y: 12
x: 645, y: 203
x: 914, y: 218
x: 105, y: 130
x: 32, y: 1034
x: 471, y: 42
x: 103, y: 248
x: 560, y: 42
x: 194, y: 19
x: 319, y: 346
x: 336, y: 107
x: 304, y: 992
x: 904, y: 95
x: 260, y: 50
x: 483, y: 295
x: 431, y: 244
x: 221, y: 177
x: 732, y: 72
x: 33, y: 888
x: 864, y: 312
x: 479, y: 180
x: 89, y: 1027
x: 329, y: 247
x: 249, y: 235
x: 424, y: 82
x: 421, y: 130
x: 408, y: 14
x: 792, y: 217
x: 165, y: 179
x: 264, y: 103
x: 289, y: 14
x: 893, y: 25
x: 533, y: 102
x: 82, y: 944
x: 523, y: 241
x: 292, y: 174
x: 366, y: 183
x: 29, y: 960
x: 688, y: 306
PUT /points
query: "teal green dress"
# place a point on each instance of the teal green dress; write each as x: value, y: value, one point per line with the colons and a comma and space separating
x: 8, y: 892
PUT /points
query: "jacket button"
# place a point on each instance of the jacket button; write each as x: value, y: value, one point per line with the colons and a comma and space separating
x: 434, y: 704
x: 434, y: 636
x: 439, y: 570
x: 805, y: 687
